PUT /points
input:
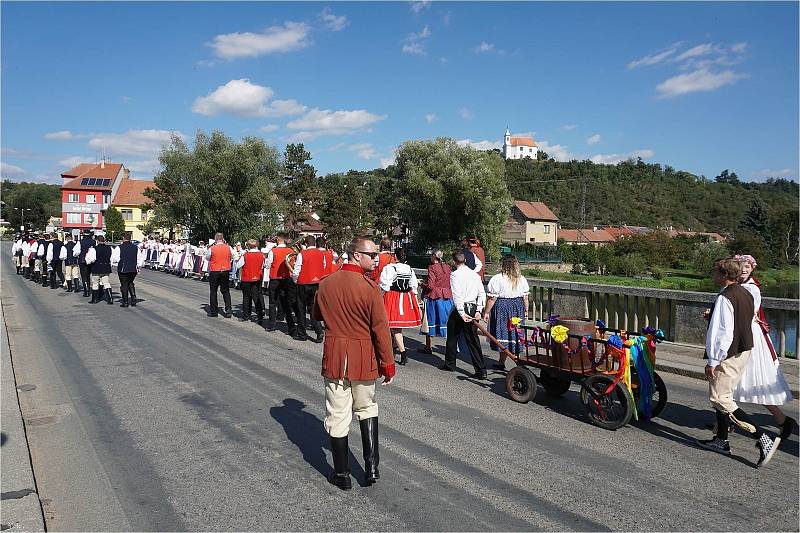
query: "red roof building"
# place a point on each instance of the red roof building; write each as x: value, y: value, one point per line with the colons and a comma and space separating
x: 594, y: 236
x: 86, y: 192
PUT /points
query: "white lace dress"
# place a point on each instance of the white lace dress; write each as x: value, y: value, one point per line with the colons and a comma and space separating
x: 762, y: 382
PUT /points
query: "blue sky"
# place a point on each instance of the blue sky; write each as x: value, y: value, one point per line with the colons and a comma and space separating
x: 699, y: 86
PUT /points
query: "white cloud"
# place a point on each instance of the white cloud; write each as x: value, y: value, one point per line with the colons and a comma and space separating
x: 245, y: 99
x: 275, y: 39
x: 126, y: 99
x: 556, y: 151
x: 144, y: 168
x: 594, y: 139
x: 418, y: 6
x: 613, y: 159
x: 363, y: 150
x: 63, y: 135
x: 568, y: 127
x: 739, y: 48
x: 319, y: 122
x: 656, y: 58
x: 695, y: 51
x: 466, y: 114
x: 331, y: 21
x: 269, y: 128
x: 698, y: 80
x: 386, y: 162
x: 480, y: 145
x: 73, y: 161
x: 414, y: 43
x: 11, y: 171
x: 145, y: 143
x: 484, y: 47
x: 430, y: 118
x: 768, y: 173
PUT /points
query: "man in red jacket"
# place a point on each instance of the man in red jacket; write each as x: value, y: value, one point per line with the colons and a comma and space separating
x: 251, y: 264
x: 357, y: 350
x: 219, y: 268
x: 309, y: 269
x: 282, y: 289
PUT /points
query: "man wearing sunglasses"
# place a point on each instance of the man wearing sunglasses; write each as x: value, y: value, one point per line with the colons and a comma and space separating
x: 357, y: 349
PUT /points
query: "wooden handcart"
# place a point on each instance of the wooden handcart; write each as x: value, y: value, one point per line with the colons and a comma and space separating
x: 598, y: 358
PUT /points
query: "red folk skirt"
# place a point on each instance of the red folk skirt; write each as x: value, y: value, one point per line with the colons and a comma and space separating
x: 402, y: 309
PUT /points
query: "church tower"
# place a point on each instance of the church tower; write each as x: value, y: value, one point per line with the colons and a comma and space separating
x: 506, y: 142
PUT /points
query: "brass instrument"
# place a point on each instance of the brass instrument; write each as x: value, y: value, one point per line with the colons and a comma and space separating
x: 291, y: 257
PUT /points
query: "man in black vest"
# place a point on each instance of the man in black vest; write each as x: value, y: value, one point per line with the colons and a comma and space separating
x: 56, y: 253
x: 41, y: 258
x: 126, y: 256
x: 71, y: 271
x: 99, y: 260
x: 729, y: 340
x: 83, y: 246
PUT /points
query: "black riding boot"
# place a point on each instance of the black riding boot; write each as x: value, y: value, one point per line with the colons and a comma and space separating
x: 52, y: 279
x: 45, y: 281
x: 69, y: 285
x: 341, y: 470
x: 86, y: 289
x: 95, y: 296
x: 124, y: 296
x: 132, y: 292
x: 110, y: 299
x: 369, y: 441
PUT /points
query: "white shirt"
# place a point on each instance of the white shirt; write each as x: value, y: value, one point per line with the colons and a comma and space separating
x: 391, y: 272
x: 16, y: 246
x: 40, y: 251
x: 61, y: 255
x: 755, y: 292
x: 26, y: 249
x: 478, y: 263
x: 90, y: 256
x: 467, y: 288
x: 720, y: 330
x: 298, y: 264
x: 500, y: 286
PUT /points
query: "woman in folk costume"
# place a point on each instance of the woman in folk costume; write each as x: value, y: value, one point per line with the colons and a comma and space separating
x: 162, y: 255
x: 763, y: 382
x: 236, y: 271
x: 384, y: 258
x: 399, y: 285
x: 437, y: 299
x: 152, y: 257
x: 507, y: 294
x: 197, y: 264
x: 187, y: 261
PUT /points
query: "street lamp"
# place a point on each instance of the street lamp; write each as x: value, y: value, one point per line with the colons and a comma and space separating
x: 23, y: 209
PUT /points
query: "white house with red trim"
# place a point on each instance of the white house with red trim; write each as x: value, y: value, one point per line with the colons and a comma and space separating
x: 519, y: 147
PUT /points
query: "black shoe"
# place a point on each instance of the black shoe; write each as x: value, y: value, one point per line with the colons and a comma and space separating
x: 123, y: 304
x: 403, y: 358
x: 260, y: 320
x: 227, y: 314
x: 132, y: 292
x: 369, y: 442
x: 69, y: 286
x: 319, y: 339
x: 341, y: 470
x: 766, y: 447
x: 481, y: 374
x: 86, y: 291
x: 95, y: 296
x: 715, y: 445
x: 302, y: 337
x: 446, y: 368
x: 787, y: 428
x: 109, y: 297
x: 244, y: 318
x: 271, y: 326
x: 213, y: 315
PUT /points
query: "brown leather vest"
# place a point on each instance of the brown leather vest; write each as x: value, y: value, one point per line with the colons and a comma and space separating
x: 743, y: 312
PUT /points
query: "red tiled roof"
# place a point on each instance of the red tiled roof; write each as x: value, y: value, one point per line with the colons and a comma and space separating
x: 535, y: 210
x: 111, y: 171
x: 522, y: 141
x: 585, y: 235
x: 131, y: 192
x: 622, y: 231
x: 77, y: 171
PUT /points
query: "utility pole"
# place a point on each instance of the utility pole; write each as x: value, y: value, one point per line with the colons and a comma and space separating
x: 583, y: 208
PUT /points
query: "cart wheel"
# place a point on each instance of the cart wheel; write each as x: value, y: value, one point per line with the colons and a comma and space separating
x: 659, y: 400
x: 610, y: 410
x: 521, y: 384
x: 554, y: 384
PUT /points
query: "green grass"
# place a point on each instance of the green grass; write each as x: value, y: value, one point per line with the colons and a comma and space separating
x: 768, y: 278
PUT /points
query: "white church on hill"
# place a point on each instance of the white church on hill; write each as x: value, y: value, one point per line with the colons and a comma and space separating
x: 518, y: 147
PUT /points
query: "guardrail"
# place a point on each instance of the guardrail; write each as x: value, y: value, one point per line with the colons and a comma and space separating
x: 678, y: 313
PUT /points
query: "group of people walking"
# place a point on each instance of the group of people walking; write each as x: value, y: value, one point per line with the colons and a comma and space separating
x: 82, y: 265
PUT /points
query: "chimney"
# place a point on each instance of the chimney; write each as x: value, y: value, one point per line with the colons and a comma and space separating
x: 103, y: 163
x: 126, y: 174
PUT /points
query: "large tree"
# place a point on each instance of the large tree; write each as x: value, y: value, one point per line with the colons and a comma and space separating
x: 33, y: 203
x: 452, y: 191
x: 115, y: 224
x: 300, y: 191
x: 218, y: 185
x: 344, y: 209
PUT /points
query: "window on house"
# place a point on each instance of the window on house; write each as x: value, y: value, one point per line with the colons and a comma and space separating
x: 91, y: 198
x: 90, y: 219
x: 106, y: 198
x: 72, y: 197
x: 144, y: 215
x: 127, y: 214
x: 521, y: 148
x: 533, y: 239
x: 73, y: 218
x: 547, y: 228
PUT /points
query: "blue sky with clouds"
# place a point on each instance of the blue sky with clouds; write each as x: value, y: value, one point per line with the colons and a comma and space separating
x: 699, y: 86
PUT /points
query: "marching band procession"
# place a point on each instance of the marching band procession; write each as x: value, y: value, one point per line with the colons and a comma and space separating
x: 359, y: 302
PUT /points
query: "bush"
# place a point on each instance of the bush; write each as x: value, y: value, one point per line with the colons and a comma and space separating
x: 657, y: 273
x: 577, y: 268
x: 705, y: 254
x: 634, y: 264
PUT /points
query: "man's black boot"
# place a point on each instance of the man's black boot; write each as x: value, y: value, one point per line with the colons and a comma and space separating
x: 369, y: 441
x: 86, y: 290
x: 132, y: 292
x: 341, y: 470
x: 52, y: 279
x: 69, y: 285
x: 45, y: 281
x: 124, y: 296
x: 110, y: 299
x: 95, y: 296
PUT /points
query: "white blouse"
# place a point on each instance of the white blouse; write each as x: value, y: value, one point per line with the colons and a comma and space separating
x: 500, y: 287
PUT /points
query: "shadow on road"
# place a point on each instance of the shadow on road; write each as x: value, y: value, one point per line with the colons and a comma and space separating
x: 306, y: 432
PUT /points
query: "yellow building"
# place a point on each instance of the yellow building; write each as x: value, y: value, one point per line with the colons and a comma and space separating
x: 531, y: 222
x: 128, y: 200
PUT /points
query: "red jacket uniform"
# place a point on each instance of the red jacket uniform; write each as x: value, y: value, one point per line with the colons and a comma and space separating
x: 253, y: 268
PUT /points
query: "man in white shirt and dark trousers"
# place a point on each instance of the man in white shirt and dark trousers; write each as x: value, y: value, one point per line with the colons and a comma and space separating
x: 126, y: 257
x: 55, y: 256
x: 469, y: 297
x: 98, y: 257
x: 728, y: 343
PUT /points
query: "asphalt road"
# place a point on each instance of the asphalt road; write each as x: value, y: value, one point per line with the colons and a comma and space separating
x: 160, y: 418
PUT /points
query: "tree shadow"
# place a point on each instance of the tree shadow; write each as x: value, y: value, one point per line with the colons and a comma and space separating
x: 306, y: 432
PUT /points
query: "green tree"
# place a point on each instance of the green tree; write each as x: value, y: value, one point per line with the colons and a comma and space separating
x: 747, y: 242
x: 115, y: 225
x: 756, y: 220
x: 34, y: 203
x: 450, y: 191
x: 783, y: 229
x: 218, y: 185
x: 301, y: 192
x: 343, y: 209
